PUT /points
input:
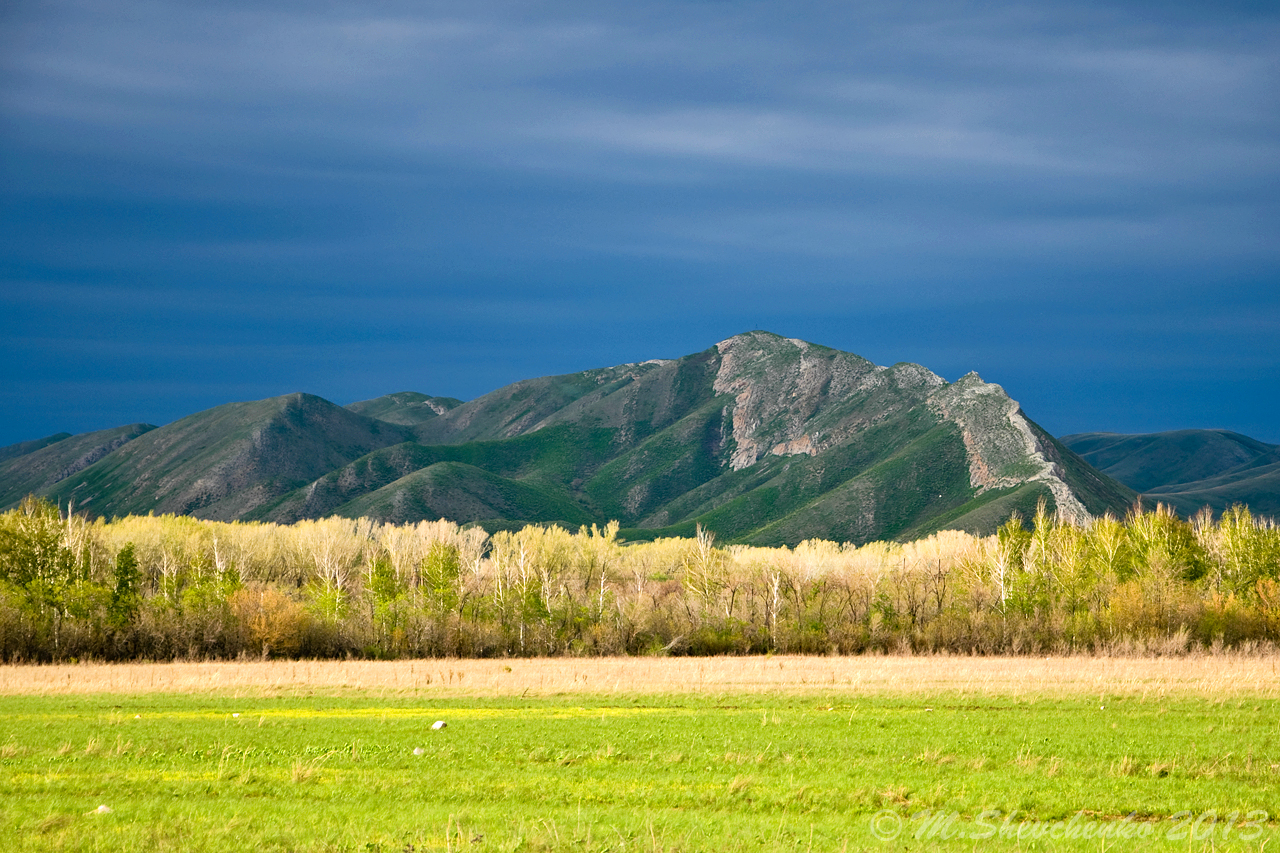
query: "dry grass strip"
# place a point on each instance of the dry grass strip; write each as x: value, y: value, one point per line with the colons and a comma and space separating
x: 1209, y: 675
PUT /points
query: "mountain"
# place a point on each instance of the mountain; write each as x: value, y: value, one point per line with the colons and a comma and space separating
x: 407, y: 408
x: 1189, y: 469
x: 44, y: 465
x: 22, y: 448
x: 224, y: 462
x: 760, y: 438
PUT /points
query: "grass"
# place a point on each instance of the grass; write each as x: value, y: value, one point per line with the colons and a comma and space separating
x: 641, y: 754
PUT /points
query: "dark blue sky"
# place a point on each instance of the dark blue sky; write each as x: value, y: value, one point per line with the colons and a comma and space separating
x: 226, y: 201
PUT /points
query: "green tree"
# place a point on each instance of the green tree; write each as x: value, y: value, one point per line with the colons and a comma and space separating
x: 383, y: 582
x: 34, y: 553
x: 126, y: 595
x: 1012, y: 542
x: 440, y: 570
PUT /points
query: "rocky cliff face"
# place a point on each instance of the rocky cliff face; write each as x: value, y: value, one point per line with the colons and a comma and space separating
x: 784, y: 391
x: 1003, y: 450
x: 778, y: 386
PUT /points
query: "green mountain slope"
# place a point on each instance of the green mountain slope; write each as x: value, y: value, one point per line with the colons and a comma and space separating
x: 1098, y: 492
x: 22, y: 448
x: 527, y: 406
x: 42, y: 468
x: 554, y: 456
x: 407, y: 408
x: 1189, y: 469
x: 224, y: 462
x: 1257, y: 486
x: 1154, y: 461
x: 459, y: 491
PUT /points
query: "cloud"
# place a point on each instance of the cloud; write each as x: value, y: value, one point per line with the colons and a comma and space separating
x: 985, y: 123
x: 545, y: 160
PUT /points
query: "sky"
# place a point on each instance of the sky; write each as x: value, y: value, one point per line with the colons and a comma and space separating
x: 209, y: 202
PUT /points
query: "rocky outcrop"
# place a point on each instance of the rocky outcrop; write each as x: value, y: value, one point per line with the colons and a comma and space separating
x: 795, y: 447
x: 779, y: 385
x: 1003, y: 450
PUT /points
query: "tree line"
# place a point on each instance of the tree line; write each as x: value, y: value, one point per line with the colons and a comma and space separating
x: 175, y: 587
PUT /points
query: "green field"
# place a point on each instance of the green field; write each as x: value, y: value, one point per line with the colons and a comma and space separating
x: 811, y: 770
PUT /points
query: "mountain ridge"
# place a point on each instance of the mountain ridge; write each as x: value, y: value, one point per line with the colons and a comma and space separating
x: 762, y: 438
x: 1189, y: 469
x: 221, y: 463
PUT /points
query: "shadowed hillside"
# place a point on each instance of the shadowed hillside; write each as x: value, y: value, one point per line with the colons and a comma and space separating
x: 22, y: 448
x: 45, y: 465
x: 1189, y: 469
x: 224, y: 462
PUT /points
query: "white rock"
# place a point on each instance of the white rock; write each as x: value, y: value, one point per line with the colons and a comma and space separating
x: 103, y: 810
x: 439, y: 724
x: 417, y: 750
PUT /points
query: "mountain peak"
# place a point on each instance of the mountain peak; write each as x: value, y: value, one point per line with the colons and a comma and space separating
x: 407, y: 408
x: 755, y: 335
